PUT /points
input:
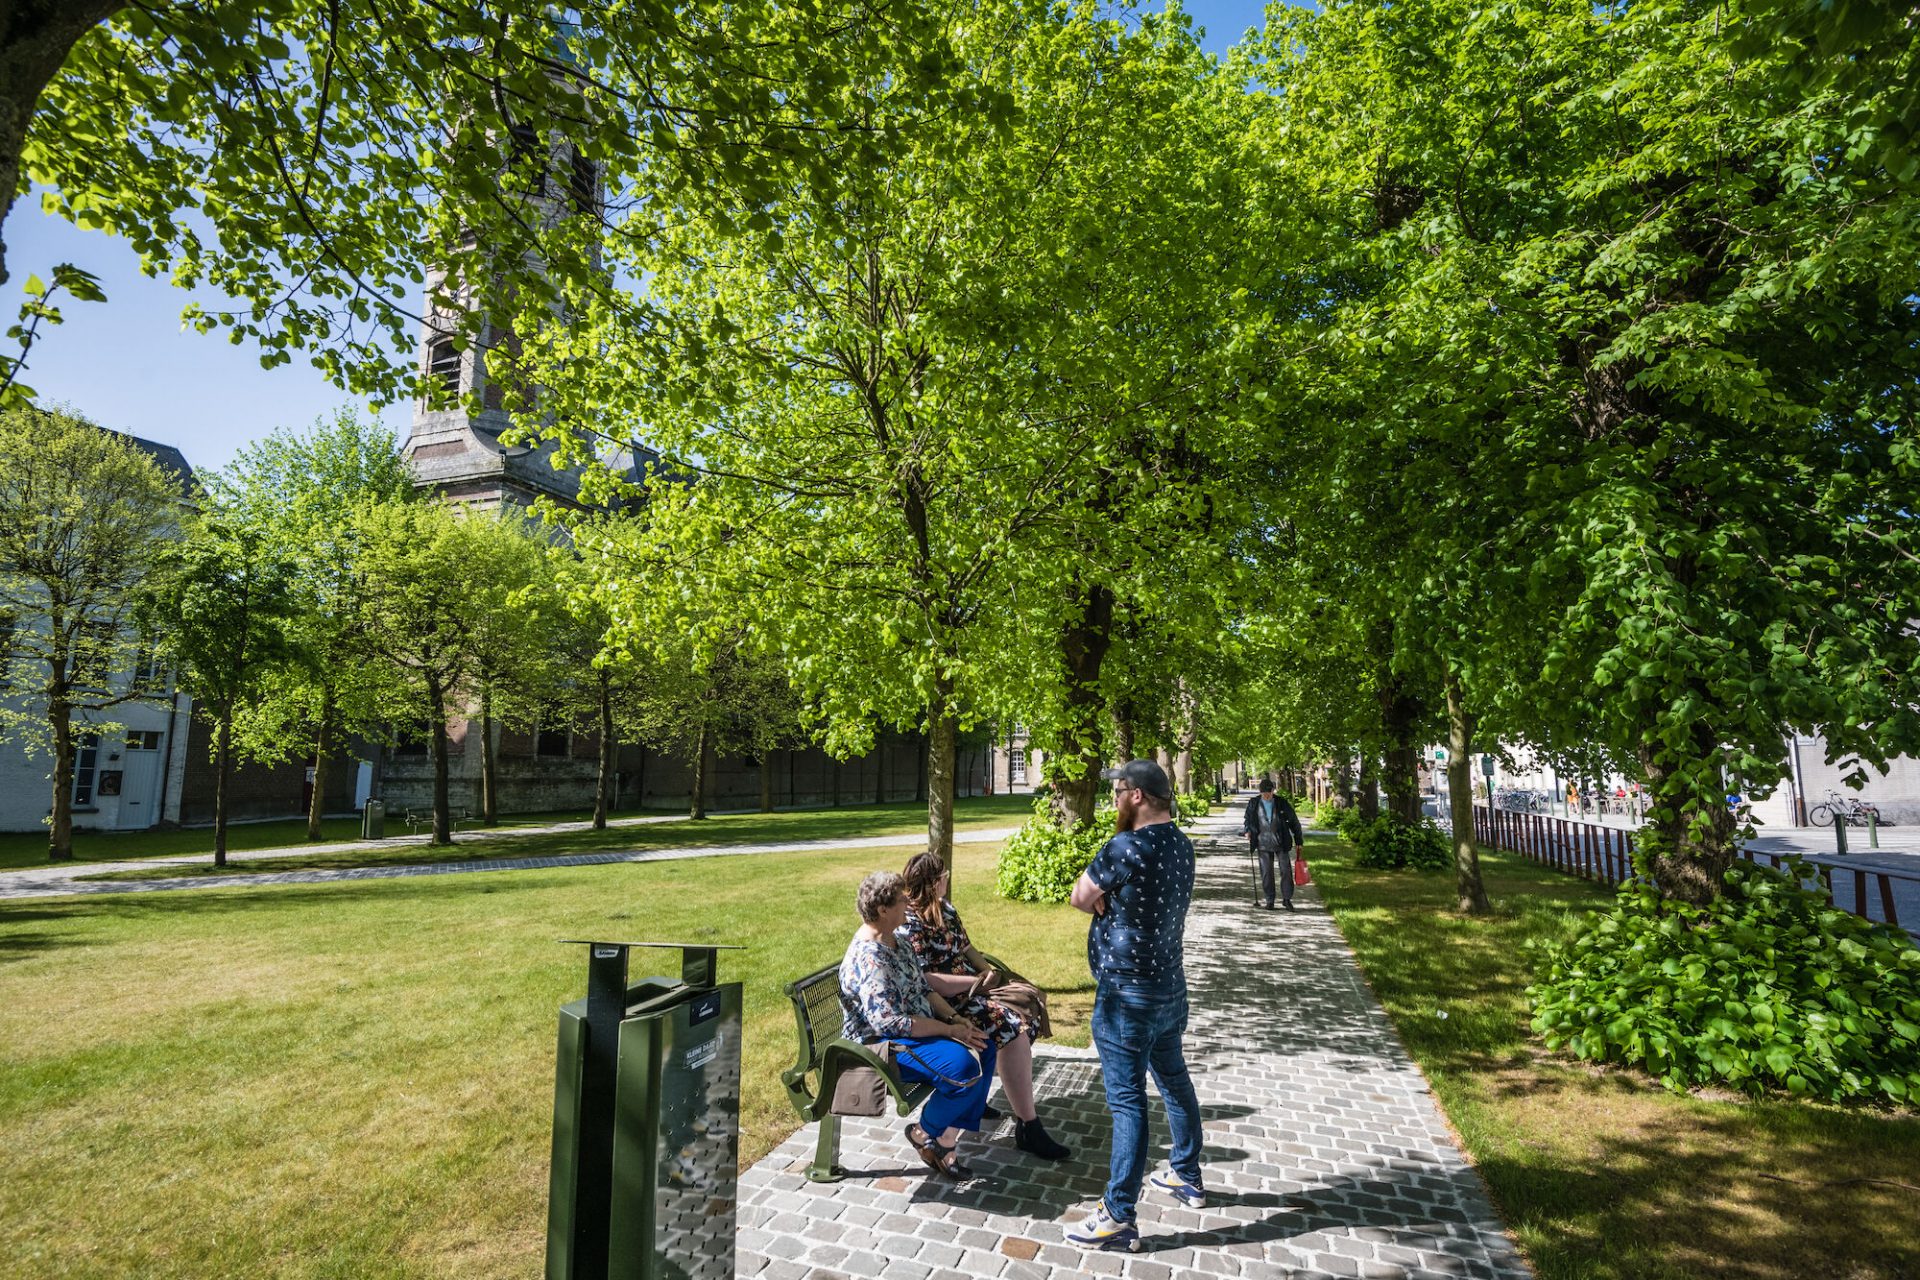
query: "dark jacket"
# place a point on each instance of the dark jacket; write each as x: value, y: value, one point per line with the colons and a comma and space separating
x: 1284, y: 816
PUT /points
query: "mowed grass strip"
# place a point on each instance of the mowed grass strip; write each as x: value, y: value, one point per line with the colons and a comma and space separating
x: 473, y: 844
x: 1602, y: 1174
x: 356, y: 1080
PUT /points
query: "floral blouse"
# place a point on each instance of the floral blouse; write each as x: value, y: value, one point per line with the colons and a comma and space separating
x: 881, y: 991
x: 943, y: 949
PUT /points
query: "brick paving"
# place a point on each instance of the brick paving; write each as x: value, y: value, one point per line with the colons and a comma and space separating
x: 1325, y: 1153
x: 46, y: 882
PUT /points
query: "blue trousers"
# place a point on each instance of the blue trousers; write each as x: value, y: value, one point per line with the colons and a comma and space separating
x: 1137, y: 1031
x: 960, y: 1085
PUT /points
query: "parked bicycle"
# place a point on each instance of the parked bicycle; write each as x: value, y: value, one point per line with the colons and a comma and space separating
x: 1852, y: 809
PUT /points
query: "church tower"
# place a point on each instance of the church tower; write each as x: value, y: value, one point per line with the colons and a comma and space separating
x: 457, y: 453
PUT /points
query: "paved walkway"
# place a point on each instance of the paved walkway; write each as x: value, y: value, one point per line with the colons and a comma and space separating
x: 46, y: 882
x: 1325, y: 1153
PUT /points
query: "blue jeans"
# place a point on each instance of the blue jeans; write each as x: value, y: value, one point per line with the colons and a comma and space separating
x: 960, y: 1085
x: 1137, y: 1030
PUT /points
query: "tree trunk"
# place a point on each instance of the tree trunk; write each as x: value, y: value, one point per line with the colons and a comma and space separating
x: 1343, y: 778
x: 1399, y: 712
x: 1186, y: 733
x: 698, y: 801
x: 437, y: 732
x: 609, y: 755
x: 322, y: 741
x: 1122, y: 731
x: 1075, y: 771
x: 766, y: 781
x: 1470, y: 891
x: 60, y: 827
x: 489, y: 764
x: 1687, y: 860
x: 1369, y: 800
x: 222, y: 767
x: 942, y: 743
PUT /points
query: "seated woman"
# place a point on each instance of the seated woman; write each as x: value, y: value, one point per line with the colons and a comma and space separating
x: 884, y: 997
x: 951, y: 965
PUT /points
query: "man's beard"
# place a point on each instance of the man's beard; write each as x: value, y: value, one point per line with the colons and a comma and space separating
x: 1123, y: 806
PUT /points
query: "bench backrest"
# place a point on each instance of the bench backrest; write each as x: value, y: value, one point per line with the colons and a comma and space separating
x: 816, y: 1009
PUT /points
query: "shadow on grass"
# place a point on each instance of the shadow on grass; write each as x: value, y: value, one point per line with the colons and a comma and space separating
x: 1601, y: 1172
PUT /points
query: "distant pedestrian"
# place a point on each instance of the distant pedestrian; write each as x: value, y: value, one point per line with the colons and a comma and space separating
x: 1137, y: 890
x: 1273, y: 829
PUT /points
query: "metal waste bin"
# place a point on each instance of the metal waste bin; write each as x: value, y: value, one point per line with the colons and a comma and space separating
x: 646, y: 1122
x: 373, y: 820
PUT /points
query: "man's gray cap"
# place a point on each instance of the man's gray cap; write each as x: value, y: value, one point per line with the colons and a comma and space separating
x: 1144, y: 774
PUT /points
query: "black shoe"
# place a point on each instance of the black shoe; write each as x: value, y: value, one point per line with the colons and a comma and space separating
x: 989, y: 1113
x: 1032, y: 1137
x: 1289, y: 906
x: 1266, y: 906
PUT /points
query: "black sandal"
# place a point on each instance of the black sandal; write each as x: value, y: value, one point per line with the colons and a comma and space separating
x: 944, y: 1161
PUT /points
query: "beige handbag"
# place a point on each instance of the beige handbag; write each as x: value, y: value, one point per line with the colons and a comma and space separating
x: 1017, y: 994
x: 860, y: 1090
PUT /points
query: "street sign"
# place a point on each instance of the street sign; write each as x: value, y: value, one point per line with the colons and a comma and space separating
x: 1486, y: 765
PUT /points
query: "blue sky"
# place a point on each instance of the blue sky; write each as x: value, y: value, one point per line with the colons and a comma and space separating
x: 127, y: 364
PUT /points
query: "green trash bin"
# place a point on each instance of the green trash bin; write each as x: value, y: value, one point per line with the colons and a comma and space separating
x: 373, y: 821
x: 646, y: 1122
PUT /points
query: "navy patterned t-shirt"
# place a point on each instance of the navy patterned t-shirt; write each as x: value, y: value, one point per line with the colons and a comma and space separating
x: 1148, y: 878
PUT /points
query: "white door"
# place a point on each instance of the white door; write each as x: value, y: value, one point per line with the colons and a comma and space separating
x: 140, y: 782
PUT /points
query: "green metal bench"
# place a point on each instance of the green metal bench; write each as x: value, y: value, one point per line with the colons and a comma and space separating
x: 825, y: 1054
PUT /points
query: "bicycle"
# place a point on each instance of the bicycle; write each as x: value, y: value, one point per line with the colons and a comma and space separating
x: 1850, y: 809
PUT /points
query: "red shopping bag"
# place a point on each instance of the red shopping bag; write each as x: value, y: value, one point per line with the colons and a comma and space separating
x: 1300, y: 874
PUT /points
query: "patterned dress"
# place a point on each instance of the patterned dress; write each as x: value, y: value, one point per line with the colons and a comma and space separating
x: 943, y: 949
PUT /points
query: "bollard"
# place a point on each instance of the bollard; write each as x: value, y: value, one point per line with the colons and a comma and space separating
x: 1840, y: 832
x: 1873, y: 829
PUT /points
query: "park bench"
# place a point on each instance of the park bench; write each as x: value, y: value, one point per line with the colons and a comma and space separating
x: 825, y: 1054
x: 418, y: 818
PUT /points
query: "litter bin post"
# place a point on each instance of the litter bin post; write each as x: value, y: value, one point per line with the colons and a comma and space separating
x: 373, y: 820
x: 1840, y: 832
x: 646, y: 1122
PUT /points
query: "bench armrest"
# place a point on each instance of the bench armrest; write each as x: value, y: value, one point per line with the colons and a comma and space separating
x: 835, y: 1057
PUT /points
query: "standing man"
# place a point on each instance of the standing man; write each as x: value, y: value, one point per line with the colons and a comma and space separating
x: 1274, y: 828
x: 1137, y: 890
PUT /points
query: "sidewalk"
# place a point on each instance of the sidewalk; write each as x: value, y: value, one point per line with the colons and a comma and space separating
x: 1325, y: 1153
x: 47, y: 882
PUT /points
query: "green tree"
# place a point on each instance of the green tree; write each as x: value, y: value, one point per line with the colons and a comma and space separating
x: 300, y: 155
x: 416, y: 605
x: 297, y: 490
x: 83, y: 513
x: 221, y: 604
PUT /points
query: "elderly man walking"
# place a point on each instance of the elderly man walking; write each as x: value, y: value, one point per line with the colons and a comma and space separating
x: 1138, y: 889
x: 1274, y: 828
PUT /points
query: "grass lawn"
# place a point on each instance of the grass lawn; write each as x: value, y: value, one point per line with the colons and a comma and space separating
x: 29, y: 848
x: 469, y: 844
x: 356, y: 1079
x: 1601, y: 1173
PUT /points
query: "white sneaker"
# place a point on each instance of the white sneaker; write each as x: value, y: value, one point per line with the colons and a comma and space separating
x: 1100, y: 1231
x: 1179, y: 1188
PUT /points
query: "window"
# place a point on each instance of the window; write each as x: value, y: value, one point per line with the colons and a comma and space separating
x: 583, y: 183
x: 149, y: 672
x: 86, y: 766
x: 1017, y: 766
x: 501, y: 366
x: 551, y: 742
x: 92, y: 656
x: 526, y: 158
x: 143, y: 740
x: 443, y: 365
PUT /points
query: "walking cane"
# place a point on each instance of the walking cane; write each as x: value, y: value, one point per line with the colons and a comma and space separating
x: 1253, y: 855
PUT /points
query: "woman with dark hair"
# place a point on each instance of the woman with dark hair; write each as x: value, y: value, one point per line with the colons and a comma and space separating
x: 955, y: 970
x: 885, y: 998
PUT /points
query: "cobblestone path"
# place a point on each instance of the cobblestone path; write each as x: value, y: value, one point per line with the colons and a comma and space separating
x: 1325, y: 1153
x: 45, y: 882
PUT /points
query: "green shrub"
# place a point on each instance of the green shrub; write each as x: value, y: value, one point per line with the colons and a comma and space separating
x: 1768, y: 988
x: 1390, y: 843
x: 1343, y: 821
x: 1191, y: 806
x: 1041, y: 862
